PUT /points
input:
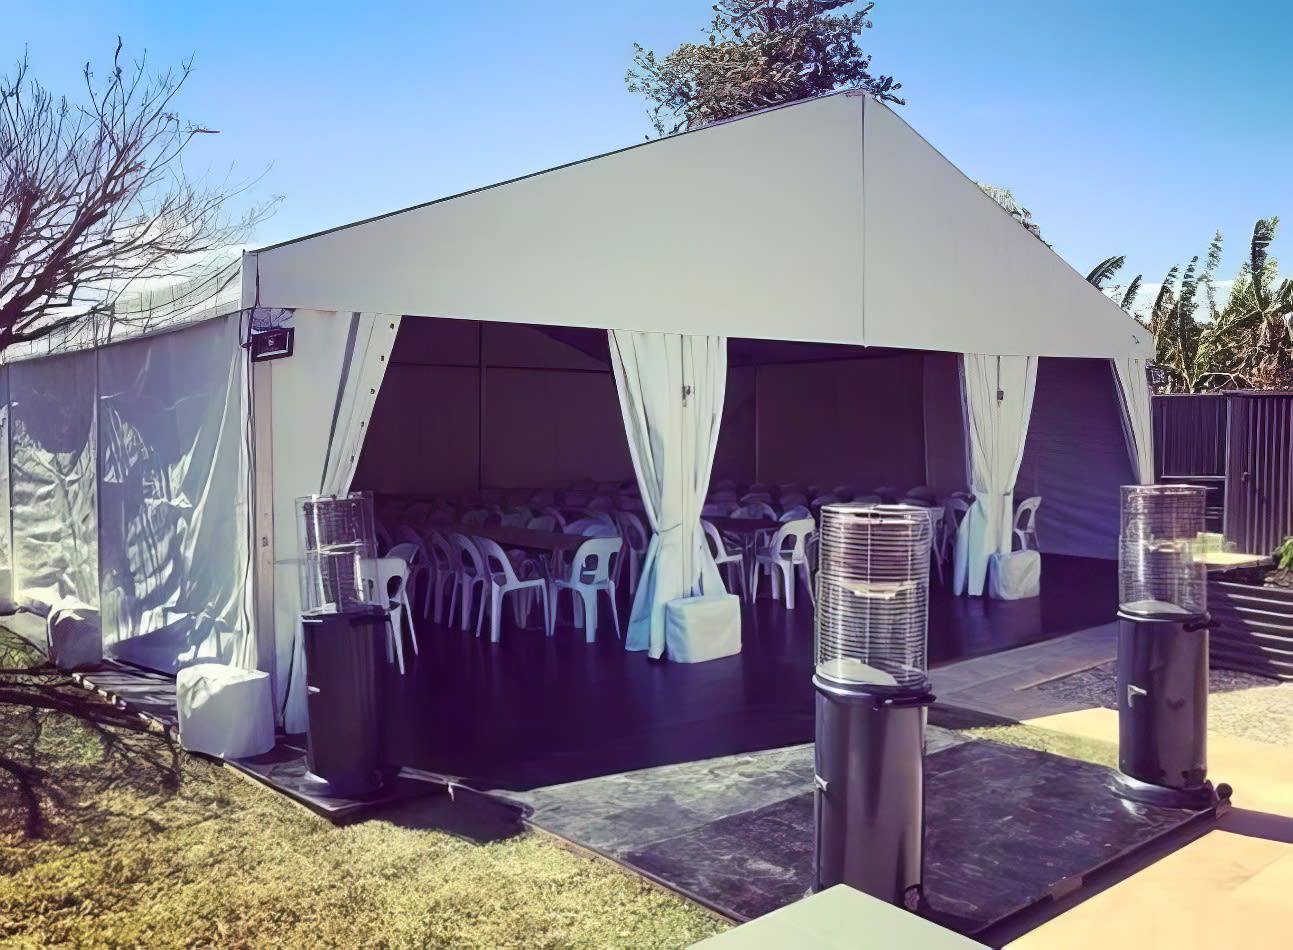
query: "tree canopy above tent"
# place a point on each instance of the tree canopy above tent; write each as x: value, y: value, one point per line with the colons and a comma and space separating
x: 760, y: 53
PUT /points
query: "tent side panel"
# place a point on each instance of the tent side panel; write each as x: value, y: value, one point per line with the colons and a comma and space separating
x: 749, y: 228
x: 947, y: 269
x: 174, y: 525
x: 1075, y: 458
x: 53, y: 478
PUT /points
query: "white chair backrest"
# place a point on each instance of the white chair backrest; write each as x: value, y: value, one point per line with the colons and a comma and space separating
x: 790, y: 537
x: 391, y: 574
x: 791, y: 499
x: 442, y: 552
x: 592, y: 562
x: 601, y: 504
x: 599, y: 529
x: 579, y: 524
x: 723, y: 494
x: 633, y: 531
x: 1026, y: 513
x: 406, y: 534
x: 716, y: 545
x: 521, y: 510
x: 495, y: 559
x: 557, y: 516
x: 542, y: 523
x: 797, y: 513
x: 827, y: 499
x: 754, y: 496
x: 755, y: 510
x: 406, y: 551
x: 515, y: 519
x: 476, y: 517
x: 469, y: 559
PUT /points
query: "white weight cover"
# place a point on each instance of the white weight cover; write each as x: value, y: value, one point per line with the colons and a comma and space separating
x: 703, y: 628
x: 1016, y: 575
x: 225, y: 711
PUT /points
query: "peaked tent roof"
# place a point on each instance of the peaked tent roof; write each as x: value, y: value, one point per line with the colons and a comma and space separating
x: 828, y: 220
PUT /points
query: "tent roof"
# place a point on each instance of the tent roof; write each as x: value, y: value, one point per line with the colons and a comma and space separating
x: 828, y: 220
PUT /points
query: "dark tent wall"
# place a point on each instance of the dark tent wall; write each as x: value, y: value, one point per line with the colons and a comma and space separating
x: 801, y: 413
x: 468, y: 405
x: 1075, y: 458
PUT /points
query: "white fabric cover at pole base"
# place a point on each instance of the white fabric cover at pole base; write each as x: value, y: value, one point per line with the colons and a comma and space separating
x: 1137, y: 414
x: 671, y: 390
x: 998, y: 403
x: 73, y: 634
x: 703, y: 628
x: 225, y: 711
x: 1016, y: 575
x: 323, y: 397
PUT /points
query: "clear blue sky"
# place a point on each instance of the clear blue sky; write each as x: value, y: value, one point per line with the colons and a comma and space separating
x: 1133, y: 127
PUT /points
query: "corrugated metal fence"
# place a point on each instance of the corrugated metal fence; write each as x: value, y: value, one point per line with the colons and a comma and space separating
x: 1240, y: 445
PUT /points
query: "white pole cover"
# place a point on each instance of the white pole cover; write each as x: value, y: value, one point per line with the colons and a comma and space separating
x: 998, y: 403
x: 323, y: 398
x: 671, y: 390
x: 1137, y: 414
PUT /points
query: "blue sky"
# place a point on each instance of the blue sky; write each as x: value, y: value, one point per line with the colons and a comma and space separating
x: 1130, y: 127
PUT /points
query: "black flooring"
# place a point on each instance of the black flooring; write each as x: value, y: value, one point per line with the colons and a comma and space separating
x: 531, y: 711
x: 1005, y: 828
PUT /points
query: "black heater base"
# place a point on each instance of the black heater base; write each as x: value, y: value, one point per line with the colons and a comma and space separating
x: 1192, y: 799
x: 349, y: 787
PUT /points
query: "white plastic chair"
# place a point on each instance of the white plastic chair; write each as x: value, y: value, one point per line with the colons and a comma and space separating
x: 390, y: 581
x: 475, y: 518
x: 718, y: 509
x: 729, y: 561
x: 503, y: 580
x: 443, y: 571
x: 783, y: 555
x: 470, y: 568
x: 542, y: 523
x: 1026, y: 522
x: 590, y: 572
x: 636, y: 539
x: 419, y: 567
x: 557, y: 516
x: 792, y: 499
x: 797, y: 513
x: 601, y: 503
x: 830, y: 498
x: 754, y: 510
x: 384, y: 541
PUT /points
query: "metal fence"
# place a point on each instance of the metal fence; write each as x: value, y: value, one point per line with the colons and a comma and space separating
x: 1239, y: 445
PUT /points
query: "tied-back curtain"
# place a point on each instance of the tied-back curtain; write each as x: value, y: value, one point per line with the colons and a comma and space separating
x: 323, y: 397
x: 671, y: 390
x: 998, y: 393
x: 1132, y: 384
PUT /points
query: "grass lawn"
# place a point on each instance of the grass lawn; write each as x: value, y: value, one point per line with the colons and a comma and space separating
x: 111, y: 836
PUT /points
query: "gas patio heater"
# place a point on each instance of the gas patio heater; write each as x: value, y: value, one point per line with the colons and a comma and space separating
x: 1163, y: 621
x: 344, y: 637
x: 872, y: 694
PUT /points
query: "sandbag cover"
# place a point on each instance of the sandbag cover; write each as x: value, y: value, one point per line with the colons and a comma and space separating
x: 703, y: 628
x: 224, y: 711
x: 1015, y: 576
x: 72, y: 631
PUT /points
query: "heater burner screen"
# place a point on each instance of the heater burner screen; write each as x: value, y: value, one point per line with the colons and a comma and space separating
x: 337, y: 535
x: 1160, y: 573
x: 873, y: 595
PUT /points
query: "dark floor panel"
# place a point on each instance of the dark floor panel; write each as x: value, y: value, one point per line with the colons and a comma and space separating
x: 284, y: 769
x: 1004, y: 826
x: 531, y: 711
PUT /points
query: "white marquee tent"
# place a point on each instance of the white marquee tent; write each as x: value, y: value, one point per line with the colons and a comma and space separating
x: 155, y: 478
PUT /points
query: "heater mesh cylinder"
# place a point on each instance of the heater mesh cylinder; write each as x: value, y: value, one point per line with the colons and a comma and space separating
x: 1160, y: 573
x: 873, y: 595
x: 336, y: 534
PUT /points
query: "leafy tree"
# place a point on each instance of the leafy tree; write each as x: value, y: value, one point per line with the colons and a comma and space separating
x: 94, y: 196
x: 1251, y: 333
x: 759, y: 53
x: 1185, y: 350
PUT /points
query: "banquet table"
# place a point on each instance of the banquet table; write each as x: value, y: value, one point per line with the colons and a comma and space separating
x: 526, y: 539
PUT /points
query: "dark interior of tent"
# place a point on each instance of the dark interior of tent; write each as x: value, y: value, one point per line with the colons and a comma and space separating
x: 471, y: 413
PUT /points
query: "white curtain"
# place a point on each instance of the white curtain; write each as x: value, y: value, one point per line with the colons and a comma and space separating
x: 323, y: 398
x: 1132, y: 384
x: 671, y: 390
x: 998, y: 403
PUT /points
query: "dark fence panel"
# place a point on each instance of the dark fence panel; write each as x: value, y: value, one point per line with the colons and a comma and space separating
x: 1259, y: 489
x: 1190, y: 435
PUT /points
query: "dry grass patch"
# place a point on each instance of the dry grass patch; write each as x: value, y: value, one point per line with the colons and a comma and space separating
x: 110, y: 836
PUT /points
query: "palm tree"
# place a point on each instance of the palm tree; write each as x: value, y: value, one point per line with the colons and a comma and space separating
x: 1251, y: 333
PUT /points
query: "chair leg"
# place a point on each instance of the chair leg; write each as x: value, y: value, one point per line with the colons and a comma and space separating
x: 495, y: 612
x: 615, y: 611
x: 787, y: 572
x: 588, y: 598
x: 453, y: 599
x: 807, y: 576
x: 397, y: 631
x: 413, y: 633
x: 547, y: 611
